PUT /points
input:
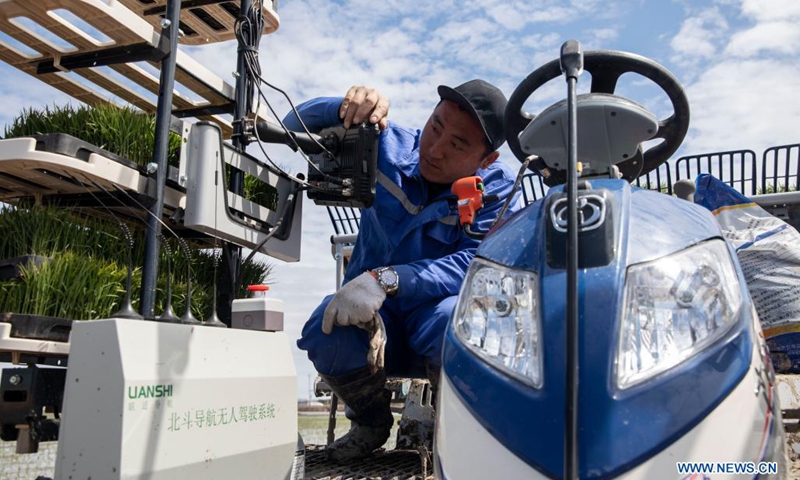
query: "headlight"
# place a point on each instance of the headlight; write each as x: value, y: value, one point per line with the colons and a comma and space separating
x: 497, y: 317
x: 673, y: 308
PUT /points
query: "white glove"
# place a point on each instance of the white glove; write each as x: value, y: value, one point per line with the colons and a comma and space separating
x: 354, y: 304
x: 377, y: 343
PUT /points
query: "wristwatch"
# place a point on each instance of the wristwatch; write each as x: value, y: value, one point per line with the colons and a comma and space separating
x: 388, y: 279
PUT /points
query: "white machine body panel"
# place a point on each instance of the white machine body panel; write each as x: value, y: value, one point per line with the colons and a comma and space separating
x: 465, y: 449
x: 164, y: 401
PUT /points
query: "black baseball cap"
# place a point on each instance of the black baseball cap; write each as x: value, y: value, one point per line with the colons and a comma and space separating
x: 483, y: 101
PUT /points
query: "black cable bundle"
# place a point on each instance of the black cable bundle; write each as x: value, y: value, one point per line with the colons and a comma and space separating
x: 248, y: 28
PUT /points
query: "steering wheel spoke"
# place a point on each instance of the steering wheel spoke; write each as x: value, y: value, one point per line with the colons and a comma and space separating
x: 604, y: 80
x: 666, y: 128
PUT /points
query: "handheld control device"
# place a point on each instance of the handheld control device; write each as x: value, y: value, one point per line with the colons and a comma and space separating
x: 343, y: 162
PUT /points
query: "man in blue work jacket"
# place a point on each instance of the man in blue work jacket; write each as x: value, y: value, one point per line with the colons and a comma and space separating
x: 411, y: 256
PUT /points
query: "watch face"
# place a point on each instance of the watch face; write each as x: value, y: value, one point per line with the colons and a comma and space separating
x: 388, y: 277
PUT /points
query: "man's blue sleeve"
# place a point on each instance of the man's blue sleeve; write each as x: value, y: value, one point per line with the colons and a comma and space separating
x: 317, y: 114
x: 429, y: 279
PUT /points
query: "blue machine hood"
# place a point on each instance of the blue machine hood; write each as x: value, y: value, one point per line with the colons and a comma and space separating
x: 617, y: 429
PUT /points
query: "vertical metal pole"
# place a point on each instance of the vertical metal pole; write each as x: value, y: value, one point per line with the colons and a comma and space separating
x: 339, y: 257
x: 572, y: 291
x: 163, y: 116
x: 572, y: 66
x: 232, y: 253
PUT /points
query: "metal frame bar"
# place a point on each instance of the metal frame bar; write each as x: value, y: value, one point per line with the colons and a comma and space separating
x: 232, y: 254
x: 163, y: 119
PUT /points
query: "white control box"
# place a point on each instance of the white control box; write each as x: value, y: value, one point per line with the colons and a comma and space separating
x: 260, y: 313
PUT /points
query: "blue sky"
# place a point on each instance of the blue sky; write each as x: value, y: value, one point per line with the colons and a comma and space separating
x: 735, y: 58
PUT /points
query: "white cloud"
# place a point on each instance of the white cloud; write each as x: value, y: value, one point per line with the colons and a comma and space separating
x: 412, y: 25
x: 599, y: 38
x: 694, y: 40
x: 699, y: 36
x: 602, y: 9
x: 744, y: 96
x: 736, y: 105
x: 773, y: 29
x: 552, y: 14
x: 27, y: 92
x: 779, y: 37
x: 771, y: 10
x: 519, y: 14
x: 508, y: 16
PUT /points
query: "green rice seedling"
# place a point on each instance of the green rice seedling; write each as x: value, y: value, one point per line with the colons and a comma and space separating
x: 204, y: 273
x: 260, y: 192
x: 124, y: 131
x: 48, y: 230
x: 780, y: 188
x: 85, y: 276
x: 256, y: 190
x: 253, y: 273
x: 68, y: 286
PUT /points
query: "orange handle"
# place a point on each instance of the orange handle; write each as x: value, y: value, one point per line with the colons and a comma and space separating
x: 469, y: 191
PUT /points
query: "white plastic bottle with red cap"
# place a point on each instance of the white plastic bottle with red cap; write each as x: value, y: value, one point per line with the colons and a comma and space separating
x: 259, y: 312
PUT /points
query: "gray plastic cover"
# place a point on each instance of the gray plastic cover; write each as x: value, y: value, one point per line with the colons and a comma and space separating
x: 208, y: 201
x: 610, y: 130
